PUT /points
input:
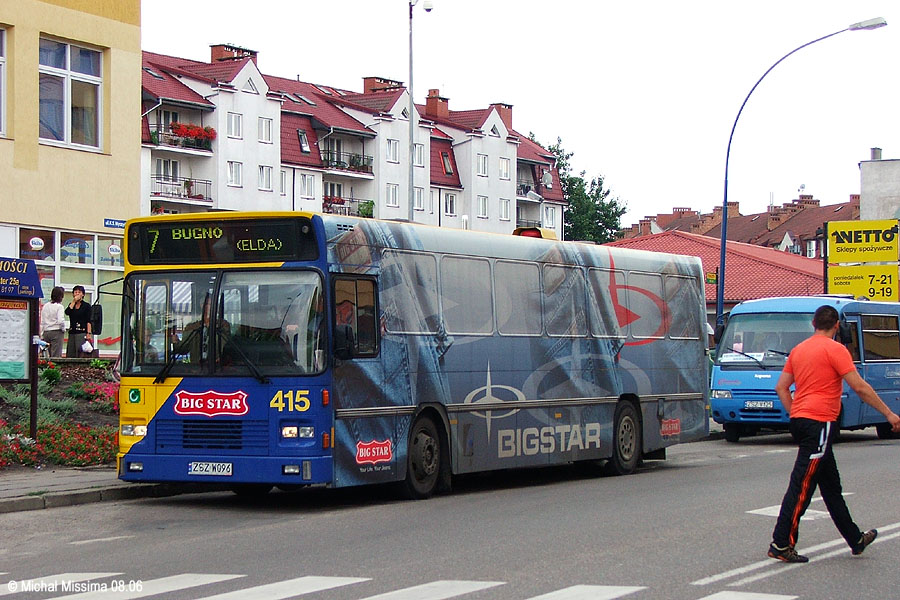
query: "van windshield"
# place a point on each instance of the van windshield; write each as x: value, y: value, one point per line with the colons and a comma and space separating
x: 762, y: 340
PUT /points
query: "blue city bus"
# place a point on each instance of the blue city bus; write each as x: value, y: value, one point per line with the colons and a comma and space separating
x: 760, y: 334
x: 295, y: 349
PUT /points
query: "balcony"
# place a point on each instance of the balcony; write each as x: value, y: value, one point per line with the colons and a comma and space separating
x: 193, y: 136
x: 349, y: 161
x: 523, y: 187
x: 336, y: 205
x: 526, y: 223
x: 181, y: 188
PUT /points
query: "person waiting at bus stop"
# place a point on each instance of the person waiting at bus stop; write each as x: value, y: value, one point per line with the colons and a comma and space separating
x: 817, y: 367
x: 79, y: 313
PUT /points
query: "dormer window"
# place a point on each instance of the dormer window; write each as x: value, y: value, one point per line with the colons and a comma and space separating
x: 445, y: 159
x: 495, y: 132
x: 304, y: 141
x: 250, y: 87
x: 405, y: 113
x: 153, y: 73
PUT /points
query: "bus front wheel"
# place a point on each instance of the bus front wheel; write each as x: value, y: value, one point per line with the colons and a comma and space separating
x: 732, y: 432
x: 423, y: 459
x: 627, y: 445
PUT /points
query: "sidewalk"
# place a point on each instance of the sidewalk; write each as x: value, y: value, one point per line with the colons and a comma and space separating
x: 28, y: 488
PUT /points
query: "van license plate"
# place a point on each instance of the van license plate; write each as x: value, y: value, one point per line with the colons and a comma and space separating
x: 209, y: 468
x: 759, y: 404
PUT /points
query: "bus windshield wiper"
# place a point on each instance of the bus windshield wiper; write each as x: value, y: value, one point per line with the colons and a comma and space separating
x: 229, y: 340
x: 778, y: 352
x: 753, y: 358
x: 164, y: 372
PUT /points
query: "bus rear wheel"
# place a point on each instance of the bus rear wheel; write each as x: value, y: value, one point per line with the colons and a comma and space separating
x: 423, y: 459
x: 627, y: 442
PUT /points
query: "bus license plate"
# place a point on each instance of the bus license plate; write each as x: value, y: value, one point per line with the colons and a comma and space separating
x: 209, y: 468
x: 759, y: 404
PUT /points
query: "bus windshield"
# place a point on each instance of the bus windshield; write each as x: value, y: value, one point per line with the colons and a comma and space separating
x: 249, y: 322
x: 762, y: 340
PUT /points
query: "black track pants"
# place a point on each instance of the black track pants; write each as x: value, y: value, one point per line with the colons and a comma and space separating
x: 815, y: 466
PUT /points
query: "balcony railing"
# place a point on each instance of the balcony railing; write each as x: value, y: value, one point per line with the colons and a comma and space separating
x: 161, y: 135
x: 523, y: 187
x: 347, y: 160
x: 338, y: 205
x: 180, y: 187
x: 526, y: 223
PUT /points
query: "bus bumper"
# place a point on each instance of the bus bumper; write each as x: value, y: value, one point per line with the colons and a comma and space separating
x: 763, y: 412
x: 275, y: 470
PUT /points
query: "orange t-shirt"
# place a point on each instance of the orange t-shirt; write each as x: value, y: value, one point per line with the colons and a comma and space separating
x: 818, y: 365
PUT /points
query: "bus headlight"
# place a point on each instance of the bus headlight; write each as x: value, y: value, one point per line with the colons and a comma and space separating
x: 294, y: 432
x: 134, y: 430
x: 720, y: 394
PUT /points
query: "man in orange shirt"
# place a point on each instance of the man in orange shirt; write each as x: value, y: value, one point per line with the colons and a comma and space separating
x: 819, y: 366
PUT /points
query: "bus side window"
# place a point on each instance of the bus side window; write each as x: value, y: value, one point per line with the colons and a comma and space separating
x: 354, y: 305
x: 852, y: 342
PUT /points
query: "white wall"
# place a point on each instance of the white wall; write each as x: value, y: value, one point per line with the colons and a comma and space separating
x: 879, y: 189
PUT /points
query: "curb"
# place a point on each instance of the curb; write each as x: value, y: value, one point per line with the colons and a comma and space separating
x: 103, y: 494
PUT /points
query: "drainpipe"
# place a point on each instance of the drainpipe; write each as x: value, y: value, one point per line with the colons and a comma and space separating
x: 293, y: 189
x: 158, y: 104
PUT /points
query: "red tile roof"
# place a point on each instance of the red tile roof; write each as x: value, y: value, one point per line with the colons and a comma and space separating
x: 438, y: 176
x: 290, y: 141
x: 374, y: 102
x: 750, y: 271
x: 324, y: 111
x: 168, y: 87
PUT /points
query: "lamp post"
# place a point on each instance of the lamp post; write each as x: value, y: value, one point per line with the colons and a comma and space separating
x: 720, y: 293
x: 428, y: 6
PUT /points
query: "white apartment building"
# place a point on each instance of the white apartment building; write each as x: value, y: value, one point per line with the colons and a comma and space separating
x: 247, y: 141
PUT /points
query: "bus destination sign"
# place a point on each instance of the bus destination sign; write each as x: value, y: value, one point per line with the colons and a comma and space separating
x: 222, y: 241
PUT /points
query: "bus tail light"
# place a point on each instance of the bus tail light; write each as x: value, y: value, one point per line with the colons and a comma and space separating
x: 325, y: 398
x: 326, y: 440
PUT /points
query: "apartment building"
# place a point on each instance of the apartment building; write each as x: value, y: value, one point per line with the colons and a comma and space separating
x: 221, y: 135
x: 69, y: 140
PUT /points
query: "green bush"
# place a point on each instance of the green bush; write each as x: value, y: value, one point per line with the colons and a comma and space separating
x: 51, y: 376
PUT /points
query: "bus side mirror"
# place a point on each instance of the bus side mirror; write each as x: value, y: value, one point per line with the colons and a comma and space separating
x: 844, y: 333
x: 344, y: 342
x: 717, y: 336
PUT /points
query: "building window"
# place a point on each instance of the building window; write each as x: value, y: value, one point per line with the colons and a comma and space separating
x: 504, y: 209
x: 504, y: 168
x: 2, y: 81
x: 550, y: 216
x: 307, y: 186
x: 450, y: 205
x: 431, y: 196
x: 265, y: 178
x: 810, y: 248
x: 445, y: 159
x: 392, y: 195
x: 235, y: 125
x: 69, y: 80
x: 167, y: 169
x: 265, y: 130
x: 419, y: 155
x: 304, y: 141
x: 482, y: 207
x: 419, y: 198
x: 482, y: 160
x: 235, y: 173
x: 393, y: 150
x: 283, y: 186
x: 165, y: 118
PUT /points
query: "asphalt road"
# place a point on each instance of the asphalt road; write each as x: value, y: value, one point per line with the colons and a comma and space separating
x: 693, y: 527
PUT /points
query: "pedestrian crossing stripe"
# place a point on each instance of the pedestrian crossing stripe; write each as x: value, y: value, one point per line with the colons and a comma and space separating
x: 437, y: 590
x: 287, y: 589
x: 153, y: 586
x: 746, y: 596
x: 594, y: 592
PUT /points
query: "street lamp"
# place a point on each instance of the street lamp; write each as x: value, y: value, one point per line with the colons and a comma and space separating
x: 428, y: 6
x: 720, y: 293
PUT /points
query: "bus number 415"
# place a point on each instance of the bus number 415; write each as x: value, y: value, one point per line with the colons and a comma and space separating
x: 290, y: 400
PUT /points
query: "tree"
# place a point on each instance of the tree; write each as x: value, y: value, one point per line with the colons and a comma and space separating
x: 592, y: 214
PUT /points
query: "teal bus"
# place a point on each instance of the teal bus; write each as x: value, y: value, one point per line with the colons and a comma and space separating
x: 757, y: 339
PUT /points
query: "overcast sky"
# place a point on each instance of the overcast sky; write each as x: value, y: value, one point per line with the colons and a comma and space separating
x: 643, y: 93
